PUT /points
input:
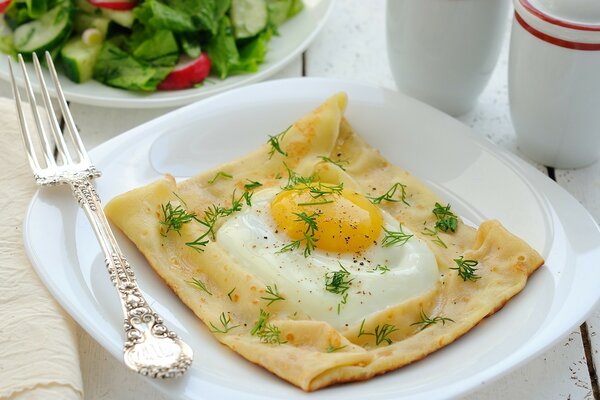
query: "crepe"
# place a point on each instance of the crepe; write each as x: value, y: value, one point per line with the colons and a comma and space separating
x: 310, y: 353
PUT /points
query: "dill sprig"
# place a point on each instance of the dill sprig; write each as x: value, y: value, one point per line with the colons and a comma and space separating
x: 275, y: 145
x: 389, y: 195
x: 382, y: 268
x: 174, y: 218
x: 337, y: 163
x: 267, y: 333
x: 339, y: 282
x: 271, y: 334
x: 230, y: 293
x: 220, y: 174
x: 225, y: 327
x: 427, y: 321
x: 200, y: 285
x: 212, y: 214
x: 260, y: 323
x: 332, y: 349
x: 395, y: 238
x: 315, y: 188
x: 381, y: 333
x: 434, y: 233
x: 446, y: 219
x: 466, y: 269
x: 272, y: 295
x: 309, y: 239
x: 252, y: 185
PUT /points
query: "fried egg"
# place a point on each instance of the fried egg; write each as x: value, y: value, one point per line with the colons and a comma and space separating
x: 349, y: 274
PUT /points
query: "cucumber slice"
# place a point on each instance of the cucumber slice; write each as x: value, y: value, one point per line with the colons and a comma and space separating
x: 248, y: 17
x: 36, y: 8
x: 123, y: 18
x: 278, y: 11
x: 83, y: 21
x: 79, y: 59
x: 53, y: 28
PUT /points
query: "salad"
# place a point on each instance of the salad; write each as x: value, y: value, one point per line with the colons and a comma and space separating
x: 145, y: 45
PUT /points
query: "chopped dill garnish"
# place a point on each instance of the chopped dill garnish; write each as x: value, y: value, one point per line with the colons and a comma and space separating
x: 331, y: 349
x: 261, y: 322
x: 395, y: 238
x: 212, y: 214
x: 267, y: 333
x: 339, y: 282
x: 427, y: 321
x: 175, y: 218
x: 220, y: 174
x: 338, y: 163
x: 389, y: 195
x: 225, y: 320
x: 230, y: 293
x: 466, y: 269
x: 315, y: 188
x: 272, y: 295
x: 382, y: 268
x: 309, y: 239
x: 446, y: 219
x: 200, y: 285
x: 434, y: 233
x: 275, y: 145
x: 381, y: 333
x: 315, y: 203
x: 252, y: 185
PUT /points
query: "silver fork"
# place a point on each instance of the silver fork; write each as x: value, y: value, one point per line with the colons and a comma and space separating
x: 150, y: 347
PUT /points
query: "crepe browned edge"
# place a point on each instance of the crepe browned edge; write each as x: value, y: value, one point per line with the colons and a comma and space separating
x: 504, y: 260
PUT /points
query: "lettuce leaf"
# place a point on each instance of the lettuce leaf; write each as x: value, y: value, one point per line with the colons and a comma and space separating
x: 116, y: 68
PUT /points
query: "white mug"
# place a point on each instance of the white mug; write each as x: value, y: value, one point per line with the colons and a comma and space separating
x: 443, y: 52
x: 554, y: 81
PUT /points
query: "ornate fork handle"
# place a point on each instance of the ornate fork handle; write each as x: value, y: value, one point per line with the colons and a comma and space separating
x: 151, y: 348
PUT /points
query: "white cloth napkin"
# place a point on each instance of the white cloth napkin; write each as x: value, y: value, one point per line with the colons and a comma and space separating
x: 38, y: 341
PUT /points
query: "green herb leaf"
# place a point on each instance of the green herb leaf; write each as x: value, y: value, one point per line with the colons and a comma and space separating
x: 446, y: 219
x: 427, y: 321
x: 268, y: 333
x: 200, y: 285
x: 252, y: 185
x: 230, y: 293
x: 275, y: 145
x: 395, y: 238
x: 220, y: 174
x: 466, y: 269
x: 175, y: 217
x: 389, y: 195
x: 272, y: 295
x: 331, y: 349
x: 434, y: 233
x: 338, y: 163
x: 225, y: 327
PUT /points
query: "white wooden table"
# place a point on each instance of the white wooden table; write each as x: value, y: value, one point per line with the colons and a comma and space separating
x: 352, y: 46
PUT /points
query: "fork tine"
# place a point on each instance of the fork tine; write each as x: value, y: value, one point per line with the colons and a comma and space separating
x: 74, y: 133
x: 54, y: 124
x: 47, y: 149
x: 31, y: 155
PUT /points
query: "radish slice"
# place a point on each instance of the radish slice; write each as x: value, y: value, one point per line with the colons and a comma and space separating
x: 188, y: 72
x: 4, y: 4
x: 120, y: 5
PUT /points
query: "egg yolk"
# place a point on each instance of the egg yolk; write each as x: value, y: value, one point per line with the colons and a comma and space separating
x: 346, y: 222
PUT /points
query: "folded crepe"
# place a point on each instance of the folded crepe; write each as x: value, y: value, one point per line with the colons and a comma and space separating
x: 253, y: 306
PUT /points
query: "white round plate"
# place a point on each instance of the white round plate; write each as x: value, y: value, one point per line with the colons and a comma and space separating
x: 294, y: 37
x: 480, y: 180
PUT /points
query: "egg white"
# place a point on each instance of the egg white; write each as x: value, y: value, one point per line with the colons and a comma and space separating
x: 252, y: 238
